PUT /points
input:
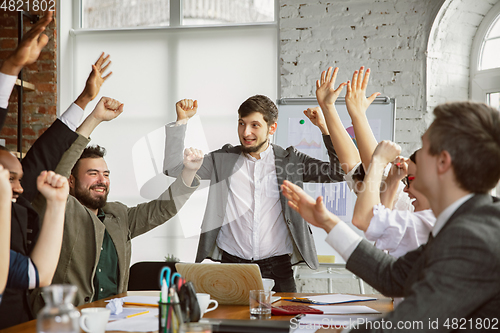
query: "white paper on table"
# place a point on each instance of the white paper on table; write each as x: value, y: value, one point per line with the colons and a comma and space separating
x: 339, y: 298
x: 146, y: 300
x: 142, y: 323
x: 344, y: 309
x: 128, y: 312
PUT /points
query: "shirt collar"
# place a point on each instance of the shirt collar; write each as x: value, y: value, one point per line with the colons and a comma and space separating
x: 263, y: 155
x: 448, y: 212
x: 100, y: 214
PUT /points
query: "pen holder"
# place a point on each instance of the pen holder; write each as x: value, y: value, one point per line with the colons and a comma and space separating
x: 169, y: 317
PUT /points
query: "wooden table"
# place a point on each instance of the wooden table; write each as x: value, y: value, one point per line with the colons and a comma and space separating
x: 382, y: 304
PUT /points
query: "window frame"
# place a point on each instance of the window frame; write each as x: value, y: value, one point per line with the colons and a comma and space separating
x: 176, y: 15
x: 483, y: 82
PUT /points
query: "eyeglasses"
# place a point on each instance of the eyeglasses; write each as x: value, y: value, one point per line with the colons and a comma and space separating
x: 407, y: 180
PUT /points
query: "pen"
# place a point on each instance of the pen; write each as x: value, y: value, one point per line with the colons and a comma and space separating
x: 137, y: 314
x: 305, y: 300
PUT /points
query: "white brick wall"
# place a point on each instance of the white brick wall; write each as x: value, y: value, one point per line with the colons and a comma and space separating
x: 388, y: 36
x: 449, y: 50
x: 417, y: 64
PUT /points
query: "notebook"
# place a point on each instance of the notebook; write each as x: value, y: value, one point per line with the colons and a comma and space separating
x: 226, y: 283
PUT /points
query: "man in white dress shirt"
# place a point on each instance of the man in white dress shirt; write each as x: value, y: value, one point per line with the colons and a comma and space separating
x: 452, y: 281
x: 247, y: 220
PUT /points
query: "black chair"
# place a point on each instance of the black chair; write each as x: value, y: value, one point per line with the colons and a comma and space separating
x: 145, y: 275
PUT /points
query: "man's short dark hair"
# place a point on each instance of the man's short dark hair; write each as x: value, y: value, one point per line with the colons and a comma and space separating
x: 261, y: 104
x: 470, y: 133
x: 89, y: 152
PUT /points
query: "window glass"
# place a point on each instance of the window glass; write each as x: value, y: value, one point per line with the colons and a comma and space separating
x: 113, y: 14
x: 491, y: 47
x: 490, y: 58
x: 214, y: 12
x: 493, y: 100
x: 495, y: 29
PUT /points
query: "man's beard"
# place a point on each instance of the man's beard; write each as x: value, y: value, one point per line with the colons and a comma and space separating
x: 248, y: 150
x: 83, y: 195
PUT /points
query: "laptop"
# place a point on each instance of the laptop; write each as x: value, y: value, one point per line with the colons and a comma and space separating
x: 226, y: 283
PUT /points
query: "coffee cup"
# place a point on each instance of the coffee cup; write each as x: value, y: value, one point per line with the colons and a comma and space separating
x: 204, y: 301
x: 94, y: 320
x: 268, y: 284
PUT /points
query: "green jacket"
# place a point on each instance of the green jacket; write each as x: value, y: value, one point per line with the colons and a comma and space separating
x: 84, y: 232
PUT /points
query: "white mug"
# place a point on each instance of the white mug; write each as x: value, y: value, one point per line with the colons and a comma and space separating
x: 204, y: 301
x: 268, y: 284
x: 94, y: 320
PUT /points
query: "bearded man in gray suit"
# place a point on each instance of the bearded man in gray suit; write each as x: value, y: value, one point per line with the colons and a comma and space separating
x: 452, y: 282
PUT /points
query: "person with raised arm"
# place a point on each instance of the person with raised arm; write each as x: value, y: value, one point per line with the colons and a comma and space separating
x: 396, y: 231
x: 26, y: 272
x: 456, y: 273
x: 96, y: 247
x: 247, y: 219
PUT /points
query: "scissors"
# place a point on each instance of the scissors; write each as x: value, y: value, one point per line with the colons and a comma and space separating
x: 165, y: 275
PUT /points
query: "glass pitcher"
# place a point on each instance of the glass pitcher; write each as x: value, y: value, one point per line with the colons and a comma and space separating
x: 59, y: 314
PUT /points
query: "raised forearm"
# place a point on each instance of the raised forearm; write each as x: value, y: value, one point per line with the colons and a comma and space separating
x: 88, y: 126
x: 389, y: 192
x: 83, y: 100
x: 188, y: 176
x: 344, y: 146
x: 368, y: 197
x: 9, y: 68
x: 365, y: 138
x: 46, y: 252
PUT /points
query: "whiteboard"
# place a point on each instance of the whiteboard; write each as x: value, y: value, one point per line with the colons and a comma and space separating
x: 295, y: 129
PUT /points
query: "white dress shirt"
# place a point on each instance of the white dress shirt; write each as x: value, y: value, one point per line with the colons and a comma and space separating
x: 399, y: 231
x: 254, y: 227
x: 344, y: 240
x: 6, y: 85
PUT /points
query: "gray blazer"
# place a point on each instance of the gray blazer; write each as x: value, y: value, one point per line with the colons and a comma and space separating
x: 455, y: 275
x: 218, y: 166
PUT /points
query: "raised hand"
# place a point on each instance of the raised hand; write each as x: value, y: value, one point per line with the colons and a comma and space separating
x: 313, y: 211
x: 107, y: 109
x: 316, y: 117
x: 29, y: 49
x: 5, y: 187
x: 186, y: 108
x: 193, y: 158
x: 53, y: 187
x: 386, y: 151
x: 96, y: 78
x: 399, y: 169
x: 355, y: 97
x: 326, y: 93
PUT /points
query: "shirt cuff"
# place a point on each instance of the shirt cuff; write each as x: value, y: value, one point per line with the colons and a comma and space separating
x: 348, y: 177
x: 34, y: 280
x: 194, y: 184
x: 177, y: 123
x: 343, y: 239
x: 6, y: 85
x: 72, y: 117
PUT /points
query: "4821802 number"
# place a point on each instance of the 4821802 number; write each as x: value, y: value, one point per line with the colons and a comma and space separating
x: 28, y: 5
